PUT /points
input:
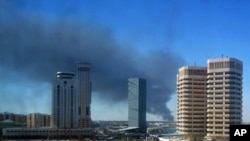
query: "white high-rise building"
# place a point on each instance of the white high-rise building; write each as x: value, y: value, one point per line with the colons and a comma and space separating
x: 65, y: 101
x: 224, y: 96
x: 83, y: 76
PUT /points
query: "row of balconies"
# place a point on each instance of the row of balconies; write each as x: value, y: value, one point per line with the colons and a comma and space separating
x: 226, y: 105
x: 191, y: 127
x: 223, y: 88
x: 220, y: 120
x: 224, y: 97
x: 224, y: 113
x: 223, y: 109
x: 201, y: 115
x: 182, y: 109
x: 224, y: 102
x: 218, y: 93
x: 193, y: 95
x: 209, y: 121
x: 225, y: 123
x: 218, y: 134
x: 190, y: 119
x: 224, y: 73
x: 224, y: 77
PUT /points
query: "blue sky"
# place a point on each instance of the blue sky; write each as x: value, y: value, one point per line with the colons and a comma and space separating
x: 195, y: 30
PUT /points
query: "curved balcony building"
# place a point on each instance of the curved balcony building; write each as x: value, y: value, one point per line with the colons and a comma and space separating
x: 191, y: 92
x: 224, y: 96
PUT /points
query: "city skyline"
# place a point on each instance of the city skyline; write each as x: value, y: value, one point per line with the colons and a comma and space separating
x: 120, y: 39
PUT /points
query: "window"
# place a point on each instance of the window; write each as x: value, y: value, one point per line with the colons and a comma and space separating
x: 219, y: 73
x: 218, y: 78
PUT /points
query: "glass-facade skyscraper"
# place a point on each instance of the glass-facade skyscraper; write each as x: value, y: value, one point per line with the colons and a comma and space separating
x: 137, y: 103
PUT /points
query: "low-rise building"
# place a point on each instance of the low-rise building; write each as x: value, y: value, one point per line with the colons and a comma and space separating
x: 47, y: 133
x: 10, y: 124
x: 17, y: 118
x: 36, y: 120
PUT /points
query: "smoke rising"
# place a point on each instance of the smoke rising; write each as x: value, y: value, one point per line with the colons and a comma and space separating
x: 35, y: 47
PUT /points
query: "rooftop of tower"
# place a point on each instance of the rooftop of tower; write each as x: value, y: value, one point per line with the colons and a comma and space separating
x: 223, y: 59
x: 65, y: 75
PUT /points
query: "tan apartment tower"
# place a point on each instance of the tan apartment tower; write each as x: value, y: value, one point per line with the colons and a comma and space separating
x: 83, y: 75
x: 224, y: 96
x: 191, y: 102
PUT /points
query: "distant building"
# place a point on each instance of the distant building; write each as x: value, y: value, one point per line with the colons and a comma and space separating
x: 83, y: 76
x: 137, y: 103
x: 8, y: 123
x: 223, y: 104
x: 65, y: 101
x: 1, y: 117
x: 36, y: 120
x: 191, y: 105
x: 17, y: 118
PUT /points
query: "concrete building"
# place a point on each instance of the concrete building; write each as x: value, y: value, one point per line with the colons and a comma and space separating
x: 224, y: 96
x: 220, y: 107
x: 191, y: 105
x: 137, y: 103
x: 83, y: 76
x: 36, y: 120
x: 65, y: 101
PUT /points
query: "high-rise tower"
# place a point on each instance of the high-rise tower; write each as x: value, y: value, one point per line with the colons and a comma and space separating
x: 191, y: 104
x: 83, y: 75
x: 137, y: 103
x: 65, y: 101
x: 224, y: 96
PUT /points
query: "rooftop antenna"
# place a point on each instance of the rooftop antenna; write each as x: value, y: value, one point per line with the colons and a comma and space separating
x: 195, y: 64
x: 221, y: 55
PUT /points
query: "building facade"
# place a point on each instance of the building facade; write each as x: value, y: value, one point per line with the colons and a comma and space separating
x: 83, y: 76
x: 224, y: 96
x: 191, y: 102
x: 36, y: 120
x: 65, y: 101
x: 137, y: 103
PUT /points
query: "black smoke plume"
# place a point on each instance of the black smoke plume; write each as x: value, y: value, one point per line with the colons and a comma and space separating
x: 35, y: 47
